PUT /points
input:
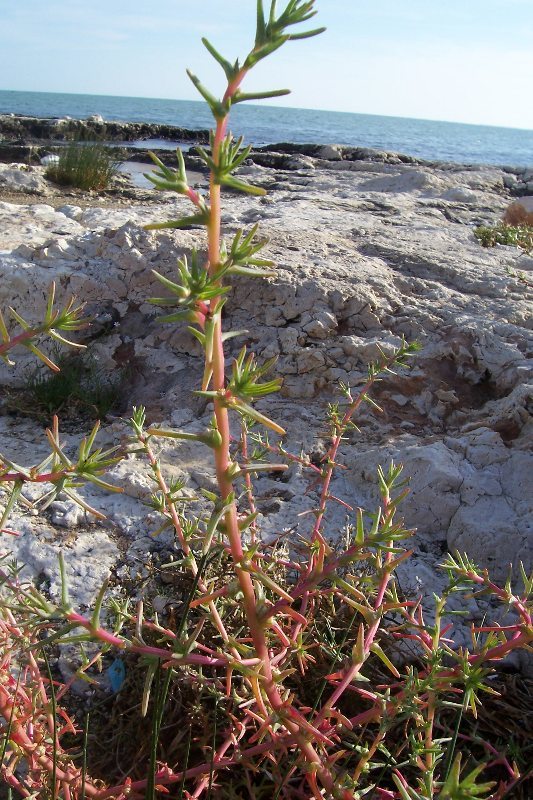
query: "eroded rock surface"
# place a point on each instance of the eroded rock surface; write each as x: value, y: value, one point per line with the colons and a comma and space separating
x: 368, y: 252
x: 23, y: 179
x: 34, y: 129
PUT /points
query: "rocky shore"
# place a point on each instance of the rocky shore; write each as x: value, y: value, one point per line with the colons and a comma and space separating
x: 33, y: 130
x: 27, y: 139
x: 370, y: 247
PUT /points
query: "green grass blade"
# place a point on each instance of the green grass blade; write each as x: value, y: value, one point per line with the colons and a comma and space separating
x: 213, y: 747
x: 186, y: 764
x: 84, y: 755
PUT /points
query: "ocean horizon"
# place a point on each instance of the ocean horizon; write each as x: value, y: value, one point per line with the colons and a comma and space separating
x: 264, y: 124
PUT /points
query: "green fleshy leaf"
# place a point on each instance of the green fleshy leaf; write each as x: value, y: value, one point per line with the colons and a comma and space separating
x: 293, y: 37
x: 200, y: 335
x: 249, y: 411
x: 265, y: 50
x: 229, y: 69
x: 375, y: 648
x: 251, y: 271
x: 260, y: 34
x: 181, y: 291
x: 243, y: 97
x: 233, y: 334
x: 179, y: 316
x: 184, y: 222
x: 218, y: 108
x: 241, y: 186
x: 12, y: 501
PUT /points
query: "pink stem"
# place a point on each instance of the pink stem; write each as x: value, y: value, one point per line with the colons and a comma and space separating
x: 222, y: 463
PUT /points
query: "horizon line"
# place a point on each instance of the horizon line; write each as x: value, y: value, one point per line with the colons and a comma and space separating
x: 273, y: 105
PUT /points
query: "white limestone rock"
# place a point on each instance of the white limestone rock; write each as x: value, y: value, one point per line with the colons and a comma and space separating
x: 89, y: 557
x: 408, y: 180
x: 434, y: 476
x: 32, y: 225
x: 71, y: 211
x: 366, y: 253
x: 19, y: 178
x: 330, y: 152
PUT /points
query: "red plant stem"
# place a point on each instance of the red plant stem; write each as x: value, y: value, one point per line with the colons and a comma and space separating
x: 14, y: 783
x: 374, y: 627
x: 331, y: 456
x: 165, y: 777
x: 499, y: 757
x: 99, y: 633
x: 205, y: 599
x: 522, y: 639
x: 303, y: 461
x: 44, y: 477
x: 22, y: 338
x: 194, y: 197
x: 365, y: 758
x: 495, y: 653
x: 222, y: 464
x: 503, y: 595
x: 310, y: 583
x: 327, y: 475
x: 35, y: 752
x: 167, y: 656
x: 205, y: 780
x: 356, y: 667
x: 171, y: 508
x: 70, y: 778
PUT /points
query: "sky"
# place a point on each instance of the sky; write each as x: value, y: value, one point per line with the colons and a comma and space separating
x: 457, y: 60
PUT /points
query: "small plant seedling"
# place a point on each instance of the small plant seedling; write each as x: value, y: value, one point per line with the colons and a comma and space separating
x: 511, y: 235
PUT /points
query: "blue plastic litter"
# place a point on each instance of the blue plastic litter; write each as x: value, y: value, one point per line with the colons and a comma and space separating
x: 117, y: 675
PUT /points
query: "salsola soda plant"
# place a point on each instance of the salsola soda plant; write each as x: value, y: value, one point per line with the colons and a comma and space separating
x: 283, y: 652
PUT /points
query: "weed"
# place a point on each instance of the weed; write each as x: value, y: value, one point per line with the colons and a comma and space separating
x: 513, y: 235
x: 79, y: 388
x: 275, y: 675
x: 84, y: 165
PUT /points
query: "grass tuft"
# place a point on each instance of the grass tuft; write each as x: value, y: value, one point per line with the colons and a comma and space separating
x: 80, y: 388
x: 84, y: 165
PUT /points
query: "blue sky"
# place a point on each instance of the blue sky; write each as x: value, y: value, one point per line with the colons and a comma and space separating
x: 457, y: 60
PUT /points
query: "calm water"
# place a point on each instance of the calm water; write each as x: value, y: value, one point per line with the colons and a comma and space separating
x: 446, y: 141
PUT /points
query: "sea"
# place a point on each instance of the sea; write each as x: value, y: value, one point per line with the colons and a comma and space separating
x: 264, y: 124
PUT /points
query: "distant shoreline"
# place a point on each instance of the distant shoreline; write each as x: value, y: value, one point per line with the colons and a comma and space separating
x: 263, y: 124
x: 60, y: 129
x: 21, y: 136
